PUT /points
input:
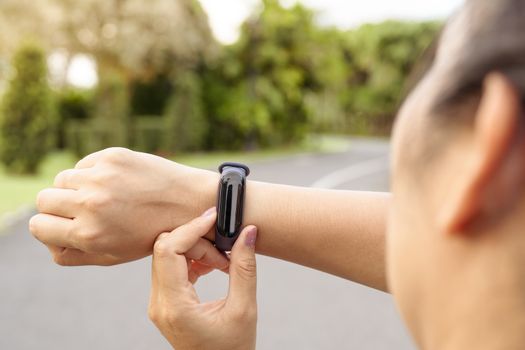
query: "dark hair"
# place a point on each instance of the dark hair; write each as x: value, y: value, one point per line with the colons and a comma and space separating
x: 495, y: 44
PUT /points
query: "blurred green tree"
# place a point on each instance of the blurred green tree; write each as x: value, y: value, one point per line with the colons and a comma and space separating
x: 165, y: 85
x: 380, y: 58
x: 137, y: 40
x: 139, y: 44
x: 184, y: 115
x: 256, y: 93
x: 72, y: 104
x: 109, y: 126
x: 27, y: 117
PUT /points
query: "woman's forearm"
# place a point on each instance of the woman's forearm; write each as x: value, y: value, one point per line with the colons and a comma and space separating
x: 113, y: 205
x: 338, y: 232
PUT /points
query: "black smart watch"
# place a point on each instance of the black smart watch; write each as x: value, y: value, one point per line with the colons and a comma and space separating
x: 230, y: 204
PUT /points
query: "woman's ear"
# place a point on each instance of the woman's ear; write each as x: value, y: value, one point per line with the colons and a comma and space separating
x: 495, y: 126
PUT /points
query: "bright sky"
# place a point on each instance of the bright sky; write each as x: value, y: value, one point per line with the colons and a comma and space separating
x: 227, y: 15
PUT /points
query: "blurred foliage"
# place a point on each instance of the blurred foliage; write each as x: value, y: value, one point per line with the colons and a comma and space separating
x: 148, y: 134
x: 149, y: 97
x: 166, y: 86
x: 112, y: 104
x: 184, y: 116
x: 255, y: 91
x: 286, y: 76
x: 110, y: 125
x: 27, y: 117
x: 380, y: 58
x: 72, y: 104
x: 135, y: 38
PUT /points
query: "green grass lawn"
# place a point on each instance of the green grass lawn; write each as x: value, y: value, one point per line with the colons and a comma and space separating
x: 18, y: 191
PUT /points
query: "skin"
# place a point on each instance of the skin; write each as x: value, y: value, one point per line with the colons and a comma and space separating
x: 455, y: 243
x: 175, y: 308
x: 455, y: 234
x: 96, y: 215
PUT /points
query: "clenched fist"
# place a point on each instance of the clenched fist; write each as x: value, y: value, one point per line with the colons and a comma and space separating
x: 110, y: 208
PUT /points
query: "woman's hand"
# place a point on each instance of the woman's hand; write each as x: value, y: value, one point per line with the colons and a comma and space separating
x: 112, y: 206
x: 188, y: 324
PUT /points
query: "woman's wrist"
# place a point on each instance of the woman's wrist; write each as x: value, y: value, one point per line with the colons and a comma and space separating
x: 192, y: 191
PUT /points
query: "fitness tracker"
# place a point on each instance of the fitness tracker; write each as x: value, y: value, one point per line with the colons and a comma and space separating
x: 230, y: 204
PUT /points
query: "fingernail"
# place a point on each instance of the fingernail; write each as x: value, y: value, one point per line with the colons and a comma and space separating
x: 209, y: 212
x: 251, y: 237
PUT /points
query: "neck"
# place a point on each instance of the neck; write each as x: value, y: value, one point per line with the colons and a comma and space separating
x: 499, y: 332
x: 476, y: 322
x: 483, y: 305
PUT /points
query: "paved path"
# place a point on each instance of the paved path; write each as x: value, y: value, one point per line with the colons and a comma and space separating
x: 44, y: 306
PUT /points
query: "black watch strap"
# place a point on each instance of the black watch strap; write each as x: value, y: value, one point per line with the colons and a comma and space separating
x: 230, y: 204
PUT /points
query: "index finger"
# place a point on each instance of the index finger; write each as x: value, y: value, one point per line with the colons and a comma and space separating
x: 170, y: 268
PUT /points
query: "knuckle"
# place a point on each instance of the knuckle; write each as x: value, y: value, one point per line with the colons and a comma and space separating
x: 247, y: 268
x: 162, y: 236
x: 163, y: 316
x: 79, y: 163
x: 115, y: 154
x: 91, y: 239
x: 162, y: 248
x: 168, y: 316
x: 95, y: 201
x: 61, y: 178
x: 104, y: 175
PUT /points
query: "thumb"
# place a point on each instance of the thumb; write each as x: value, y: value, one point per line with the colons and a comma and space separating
x: 243, y: 271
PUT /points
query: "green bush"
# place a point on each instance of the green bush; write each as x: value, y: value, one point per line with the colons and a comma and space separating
x: 150, y: 96
x: 148, y: 134
x: 380, y: 58
x: 111, y: 119
x: 72, y: 104
x: 75, y: 104
x: 83, y: 137
x: 107, y: 123
x: 285, y: 77
x: 27, y: 122
x: 185, y: 121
